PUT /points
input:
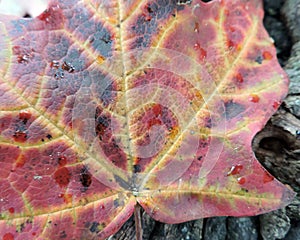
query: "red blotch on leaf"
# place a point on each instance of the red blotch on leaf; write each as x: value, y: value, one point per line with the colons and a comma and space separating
x: 239, y: 78
x: 20, y: 136
x: 235, y: 170
x: 8, y: 236
x: 62, y: 176
x: 23, y: 55
x: 241, y: 180
x: 11, y: 210
x: 62, y: 161
x: 67, y: 197
x: 254, y: 98
x: 267, y: 55
x: 53, y: 17
x: 268, y: 177
x: 232, y: 46
x: 157, y: 109
x: 276, y: 104
x: 25, y: 115
x: 202, y: 53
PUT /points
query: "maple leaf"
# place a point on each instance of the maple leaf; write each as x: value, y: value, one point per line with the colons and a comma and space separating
x: 110, y: 104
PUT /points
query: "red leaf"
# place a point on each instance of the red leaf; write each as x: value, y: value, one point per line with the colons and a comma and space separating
x: 109, y: 104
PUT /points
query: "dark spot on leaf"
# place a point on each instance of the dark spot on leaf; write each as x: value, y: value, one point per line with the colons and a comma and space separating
x: 147, y: 22
x: 102, y: 123
x: 106, y: 38
x: 21, y: 227
x: 259, y: 59
x: 106, y: 90
x: 122, y: 182
x: 49, y: 136
x: 102, y: 41
x: 62, y: 234
x: 59, y: 74
x: 136, y: 168
x: 66, y: 66
x: 233, y: 109
x: 94, y: 227
x: 29, y: 221
x: 116, y: 203
x: 85, y: 178
x: 208, y: 123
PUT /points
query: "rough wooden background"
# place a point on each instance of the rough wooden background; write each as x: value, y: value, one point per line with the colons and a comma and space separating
x: 277, y: 147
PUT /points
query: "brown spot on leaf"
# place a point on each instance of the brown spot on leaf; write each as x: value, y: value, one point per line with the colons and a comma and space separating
x: 196, y: 27
x: 85, y: 178
x: 62, y: 177
x: 20, y: 136
x: 66, y: 66
x: 62, y: 160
